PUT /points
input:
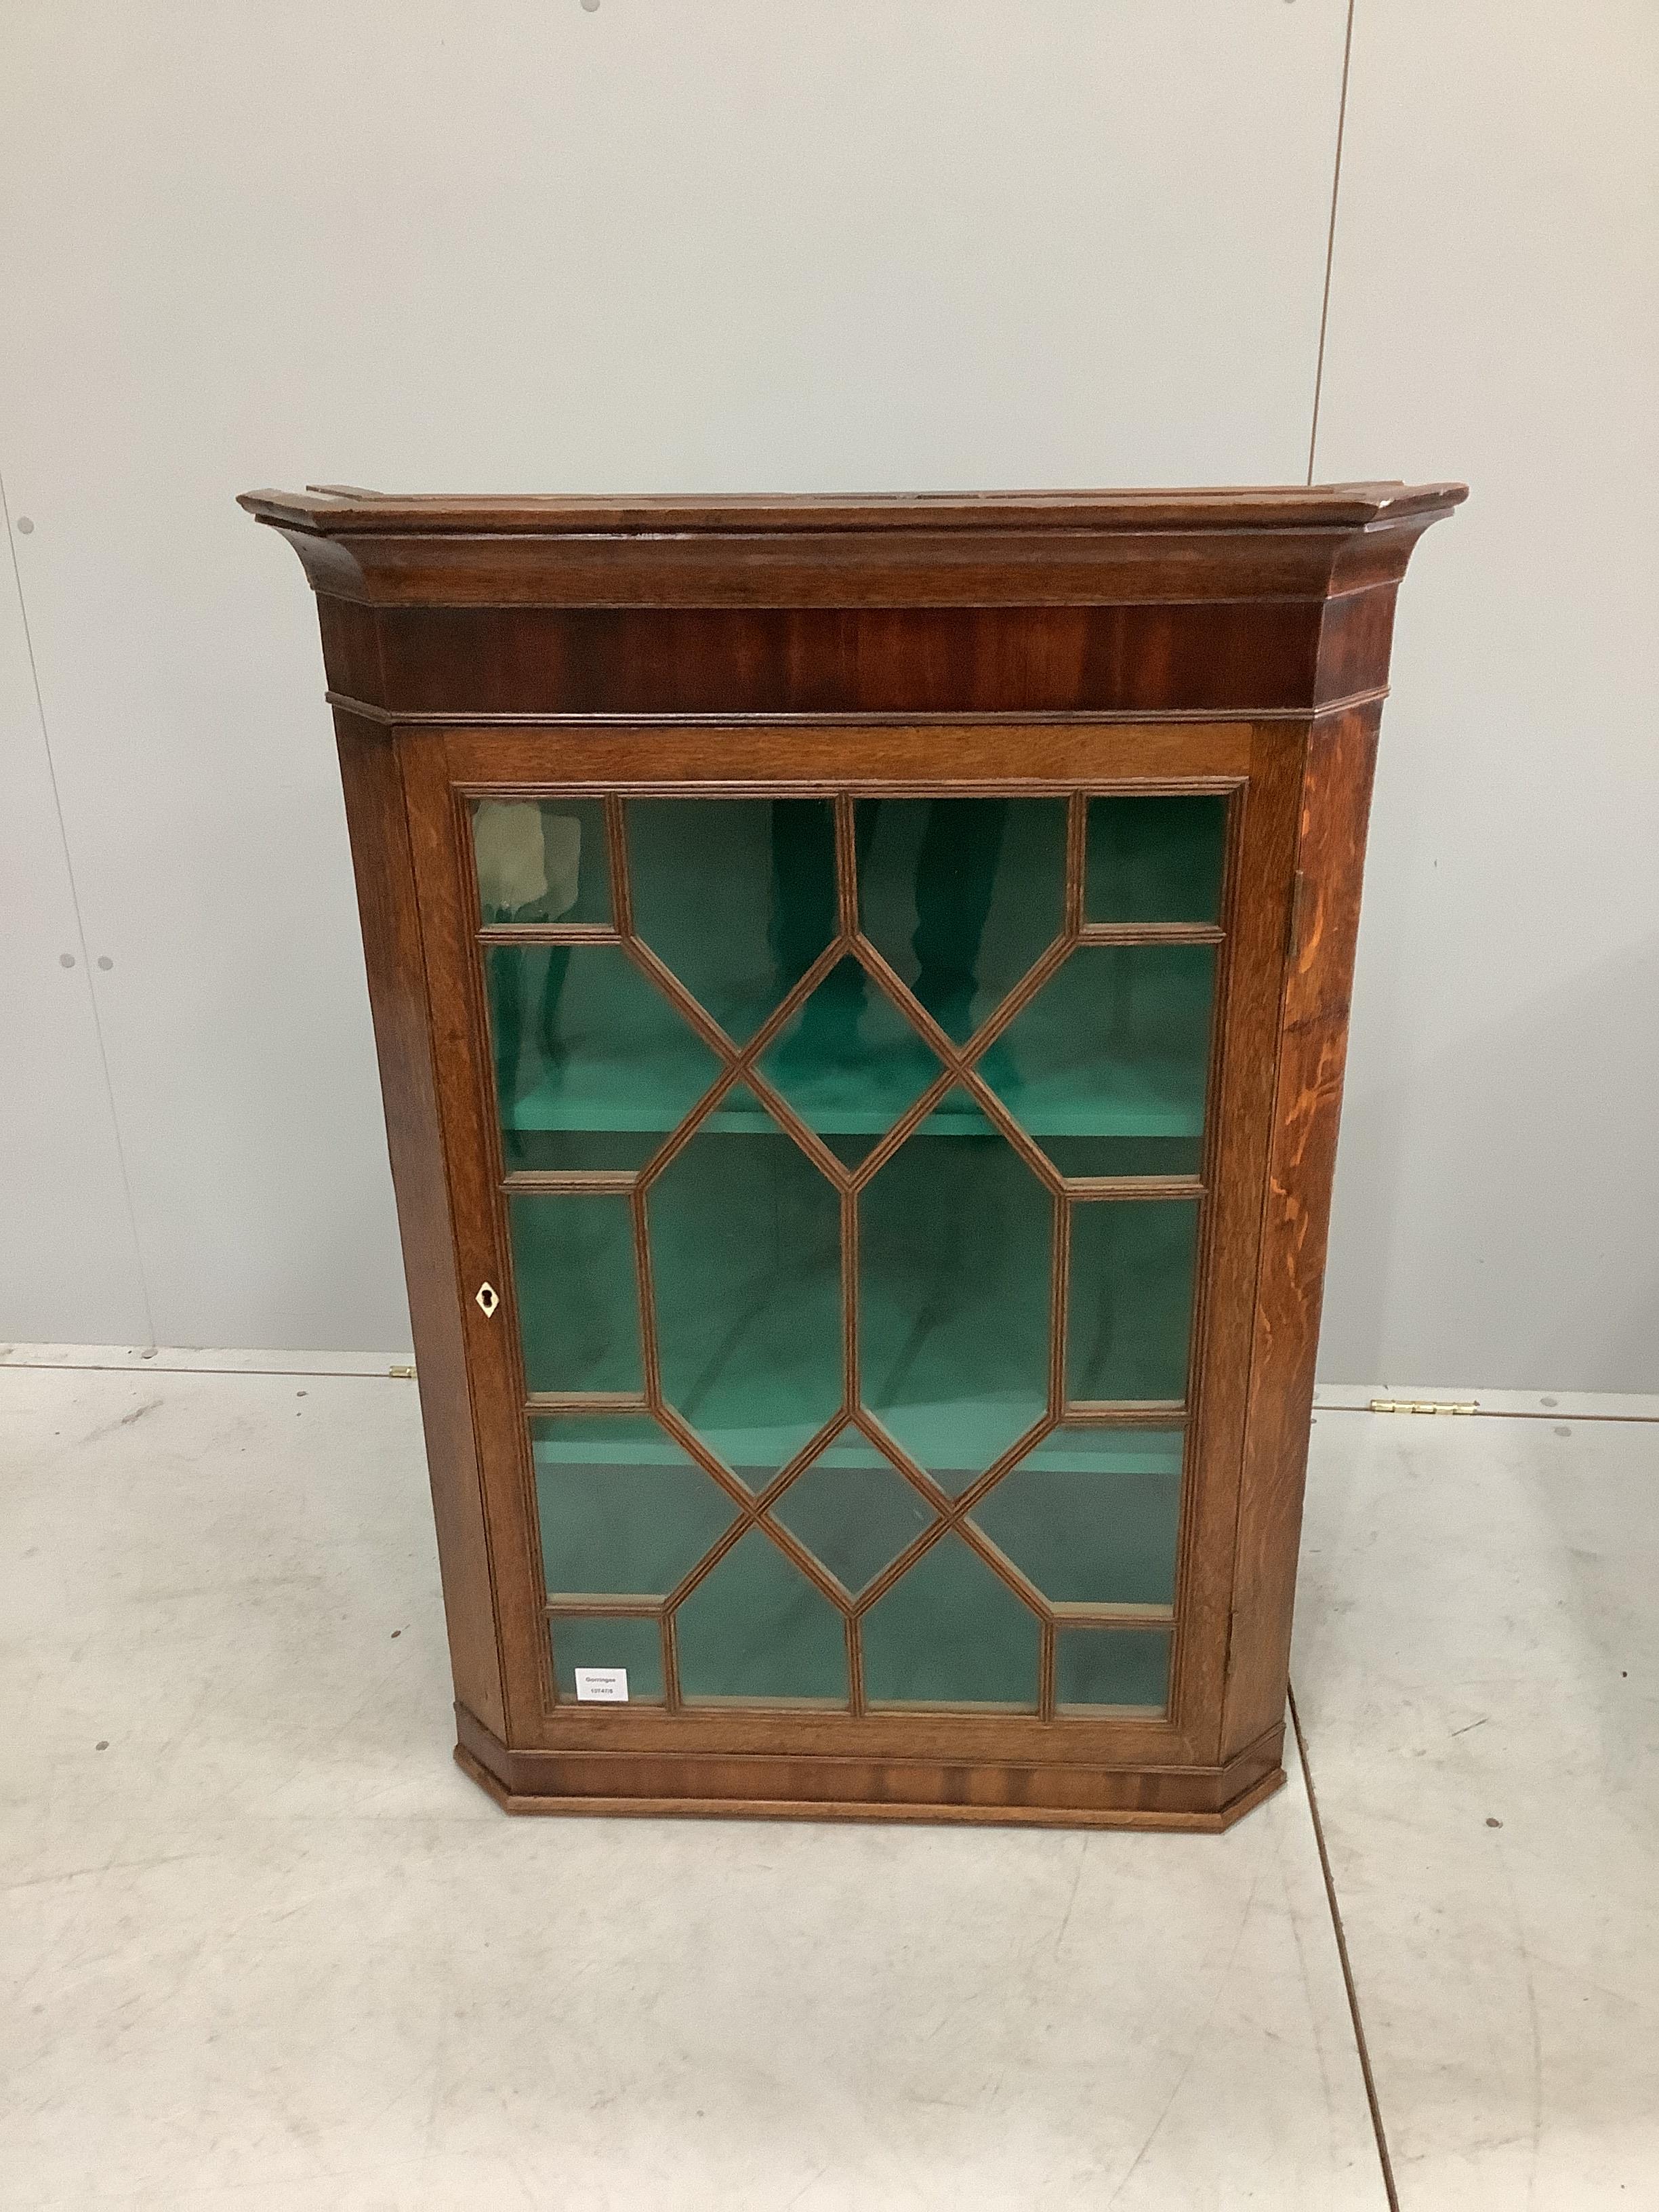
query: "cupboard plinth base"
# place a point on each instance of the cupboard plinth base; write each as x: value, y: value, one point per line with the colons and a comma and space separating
x: 1200, y: 1799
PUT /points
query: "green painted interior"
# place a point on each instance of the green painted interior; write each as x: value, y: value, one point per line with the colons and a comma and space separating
x: 737, y: 896
x: 756, y: 1628
x: 624, y: 1512
x: 1130, y: 1314
x: 1091, y: 1516
x: 1096, y: 1667
x: 1115, y: 1044
x: 745, y: 1255
x: 950, y: 1632
x: 849, y: 1063
x: 961, y: 897
x: 578, y: 1302
x: 609, y: 1640
x: 956, y: 1246
x: 1106, y: 1067
x: 588, y: 1048
x: 1155, y: 859
x: 854, y: 1510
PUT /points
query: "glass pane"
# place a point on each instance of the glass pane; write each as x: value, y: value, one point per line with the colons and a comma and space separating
x: 745, y: 1256
x: 1106, y: 1068
x: 608, y: 1640
x: 1131, y: 1304
x: 950, y: 1632
x: 1125, y: 1156
x: 623, y: 1511
x: 1155, y: 859
x: 955, y: 1249
x: 736, y: 895
x: 849, y: 1063
x: 757, y: 1628
x: 1115, y: 1044
x: 592, y: 1064
x: 854, y: 1510
x: 1091, y: 1516
x: 1111, y: 1667
x: 577, y: 1292
x: 541, y: 861
x: 962, y: 896
x: 565, y: 1151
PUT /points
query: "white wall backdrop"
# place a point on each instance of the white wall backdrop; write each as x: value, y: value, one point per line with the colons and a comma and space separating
x: 773, y: 245
x: 1495, y: 315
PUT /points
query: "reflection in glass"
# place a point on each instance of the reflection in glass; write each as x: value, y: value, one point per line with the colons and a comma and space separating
x: 589, y: 1639
x: 1114, y: 1046
x: 745, y: 1252
x: 961, y: 895
x: 541, y: 861
x: 623, y: 1511
x: 1096, y: 1667
x: 757, y: 1628
x: 849, y: 1063
x: 1091, y: 1516
x: 1131, y: 1307
x: 853, y: 1511
x: 577, y: 1296
x: 1155, y: 859
x: 956, y: 1241
x: 950, y: 1632
x: 593, y: 1065
x: 736, y: 895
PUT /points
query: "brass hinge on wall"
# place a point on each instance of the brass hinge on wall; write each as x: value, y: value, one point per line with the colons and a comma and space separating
x: 1423, y: 1405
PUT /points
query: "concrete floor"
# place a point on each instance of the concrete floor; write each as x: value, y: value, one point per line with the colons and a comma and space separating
x: 266, y: 1948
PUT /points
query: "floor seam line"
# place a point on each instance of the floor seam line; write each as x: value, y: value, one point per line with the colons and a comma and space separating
x: 1377, y: 2128
x: 1496, y: 1413
x: 223, y: 1374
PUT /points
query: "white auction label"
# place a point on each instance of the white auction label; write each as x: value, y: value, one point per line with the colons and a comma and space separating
x: 602, y: 1686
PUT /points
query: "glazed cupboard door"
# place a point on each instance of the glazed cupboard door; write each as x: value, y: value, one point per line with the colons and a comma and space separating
x: 860, y: 1173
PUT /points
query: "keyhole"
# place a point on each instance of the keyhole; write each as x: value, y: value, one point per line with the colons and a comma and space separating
x: 488, y: 1300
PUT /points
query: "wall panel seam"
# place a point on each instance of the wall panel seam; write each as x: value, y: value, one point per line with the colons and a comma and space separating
x: 1330, y: 241
x: 150, y: 1338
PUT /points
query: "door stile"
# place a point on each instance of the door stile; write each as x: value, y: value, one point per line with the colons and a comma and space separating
x: 443, y: 879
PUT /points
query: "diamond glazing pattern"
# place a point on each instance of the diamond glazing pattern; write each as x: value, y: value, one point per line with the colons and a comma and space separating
x: 853, y: 1152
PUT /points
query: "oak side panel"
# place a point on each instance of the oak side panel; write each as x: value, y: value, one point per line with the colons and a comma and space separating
x: 387, y: 904
x: 1240, y: 1118
x: 439, y: 848
x: 1313, y: 1047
